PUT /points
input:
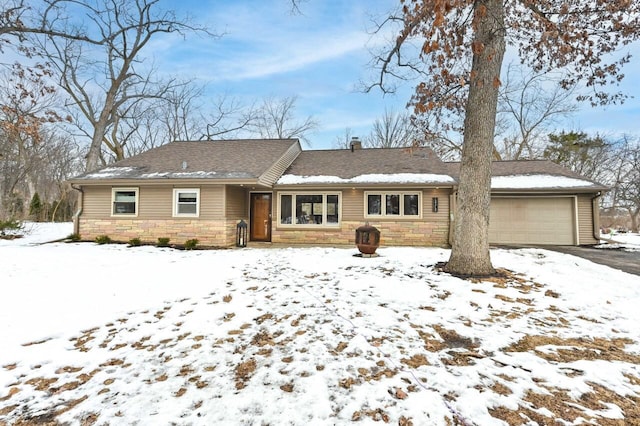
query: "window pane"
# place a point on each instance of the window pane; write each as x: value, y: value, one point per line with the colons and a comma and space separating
x: 187, y: 197
x: 332, y: 209
x: 309, y: 209
x: 393, y: 204
x: 411, y: 205
x: 285, y: 209
x: 187, y: 209
x: 127, y: 196
x: 124, y: 208
x: 374, y: 205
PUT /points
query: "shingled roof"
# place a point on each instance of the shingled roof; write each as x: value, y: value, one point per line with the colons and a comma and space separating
x: 532, y: 174
x: 372, y: 165
x: 218, y: 160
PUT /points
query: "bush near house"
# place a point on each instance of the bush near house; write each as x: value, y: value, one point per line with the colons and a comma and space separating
x: 103, y: 239
x: 135, y: 242
x: 191, y: 244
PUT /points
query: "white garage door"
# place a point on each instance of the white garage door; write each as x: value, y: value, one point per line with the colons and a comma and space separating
x: 532, y: 221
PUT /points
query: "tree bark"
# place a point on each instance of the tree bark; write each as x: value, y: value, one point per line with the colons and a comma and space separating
x: 470, y: 248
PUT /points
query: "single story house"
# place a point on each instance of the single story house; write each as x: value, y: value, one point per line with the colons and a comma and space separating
x: 186, y: 190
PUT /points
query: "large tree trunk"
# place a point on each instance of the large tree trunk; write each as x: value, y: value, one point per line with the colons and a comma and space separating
x: 470, y: 249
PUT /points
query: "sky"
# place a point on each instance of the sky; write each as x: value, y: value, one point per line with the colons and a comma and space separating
x: 322, y: 56
x: 319, y: 56
x: 275, y: 336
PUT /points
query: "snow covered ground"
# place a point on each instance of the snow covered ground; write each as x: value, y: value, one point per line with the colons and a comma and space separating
x: 628, y: 241
x: 106, y: 334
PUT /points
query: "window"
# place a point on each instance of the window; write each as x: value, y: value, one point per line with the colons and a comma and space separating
x: 124, y: 201
x: 314, y: 209
x: 392, y: 204
x: 186, y: 202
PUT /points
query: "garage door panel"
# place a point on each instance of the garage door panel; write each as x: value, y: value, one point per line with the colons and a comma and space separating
x: 532, y: 221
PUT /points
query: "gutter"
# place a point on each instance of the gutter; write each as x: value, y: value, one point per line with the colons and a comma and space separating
x: 76, y: 215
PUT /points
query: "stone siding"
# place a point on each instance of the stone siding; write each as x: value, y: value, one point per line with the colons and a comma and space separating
x: 397, y: 233
x: 208, y: 232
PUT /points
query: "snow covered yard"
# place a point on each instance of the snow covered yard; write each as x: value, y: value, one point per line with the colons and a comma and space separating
x: 114, y: 335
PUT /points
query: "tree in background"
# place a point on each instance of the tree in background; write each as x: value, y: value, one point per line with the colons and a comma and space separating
x: 102, y: 72
x: 581, y: 153
x: 625, y: 183
x: 35, y: 156
x: 528, y: 104
x: 392, y: 130
x: 343, y: 141
x: 459, y: 58
x: 276, y: 119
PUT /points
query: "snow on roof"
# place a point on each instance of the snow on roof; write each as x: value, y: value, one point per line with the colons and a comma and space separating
x: 109, y: 172
x: 537, y: 181
x: 368, y: 178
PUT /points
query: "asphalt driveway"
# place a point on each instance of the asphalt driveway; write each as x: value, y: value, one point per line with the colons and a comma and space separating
x: 627, y: 261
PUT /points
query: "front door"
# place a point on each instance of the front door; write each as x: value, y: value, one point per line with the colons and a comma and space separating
x: 260, y: 220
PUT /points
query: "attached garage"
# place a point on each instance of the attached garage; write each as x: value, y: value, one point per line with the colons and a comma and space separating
x: 543, y: 220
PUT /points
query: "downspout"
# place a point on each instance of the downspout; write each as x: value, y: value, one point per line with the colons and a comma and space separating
x: 76, y: 215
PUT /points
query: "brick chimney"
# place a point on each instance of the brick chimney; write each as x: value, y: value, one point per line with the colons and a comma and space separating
x: 355, y: 143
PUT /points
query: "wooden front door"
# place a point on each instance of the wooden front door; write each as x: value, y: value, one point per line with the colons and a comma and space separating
x: 260, y: 219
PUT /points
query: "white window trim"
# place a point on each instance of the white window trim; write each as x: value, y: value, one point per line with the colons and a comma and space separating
x: 383, y: 205
x: 113, y: 200
x: 177, y: 191
x: 324, y: 223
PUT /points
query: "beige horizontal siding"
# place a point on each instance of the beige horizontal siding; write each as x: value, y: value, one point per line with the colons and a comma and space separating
x: 96, y: 202
x: 236, y: 203
x: 585, y: 220
x: 154, y: 202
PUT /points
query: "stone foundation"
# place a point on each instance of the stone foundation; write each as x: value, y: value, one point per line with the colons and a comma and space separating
x: 208, y: 232
x: 391, y: 234
x: 223, y: 232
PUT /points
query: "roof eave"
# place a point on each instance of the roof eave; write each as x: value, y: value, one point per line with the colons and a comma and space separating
x: 565, y: 190
x: 163, y: 181
x: 365, y: 185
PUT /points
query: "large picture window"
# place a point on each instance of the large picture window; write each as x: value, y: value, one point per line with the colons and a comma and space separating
x: 392, y: 204
x: 186, y: 202
x: 314, y: 209
x: 124, y: 202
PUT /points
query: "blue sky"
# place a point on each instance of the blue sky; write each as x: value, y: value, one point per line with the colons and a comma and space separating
x: 321, y: 57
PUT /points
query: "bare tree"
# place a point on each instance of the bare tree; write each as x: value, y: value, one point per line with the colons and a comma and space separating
x: 106, y: 82
x: 343, y: 141
x: 276, y: 120
x: 529, y: 103
x: 26, y: 107
x: 229, y: 118
x: 392, y: 130
x: 625, y: 192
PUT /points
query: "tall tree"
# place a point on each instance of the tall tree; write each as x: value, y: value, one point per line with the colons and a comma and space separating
x: 462, y: 46
x: 392, y: 130
x: 577, y: 151
x: 106, y: 81
x: 276, y: 118
x: 528, y: 104
x: 625, y: 192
